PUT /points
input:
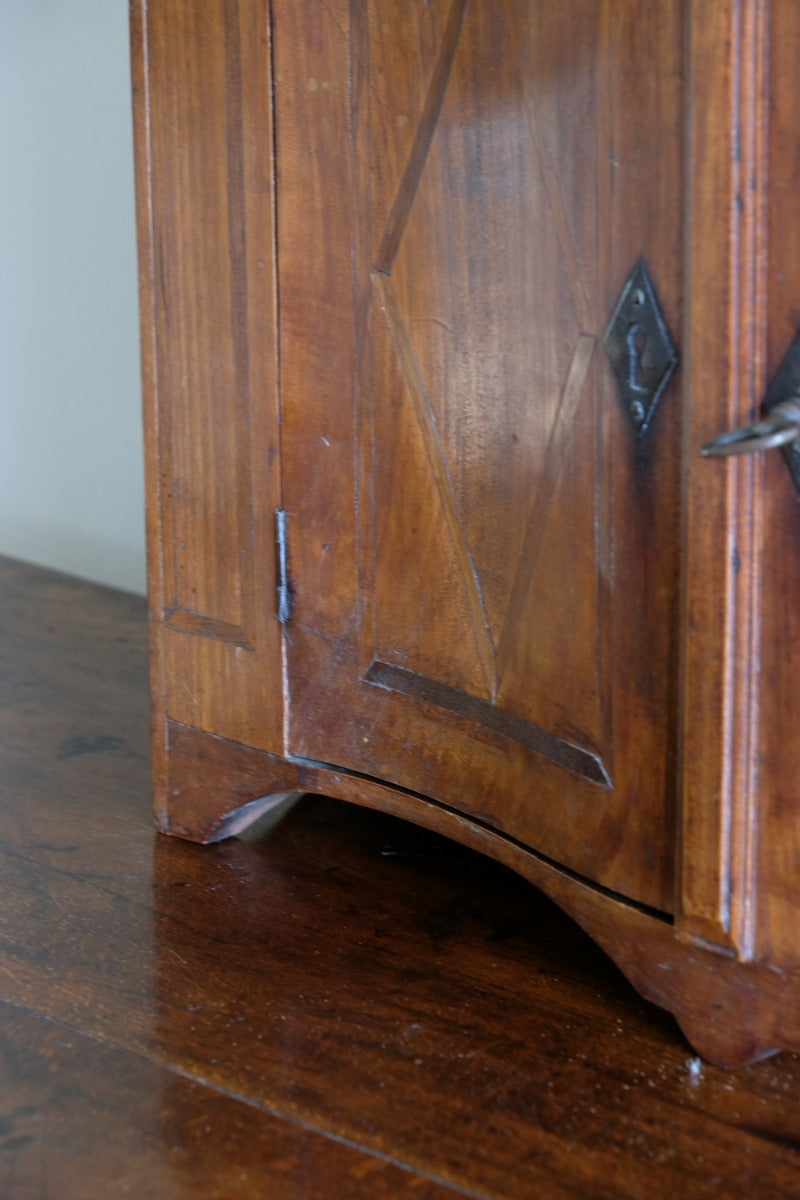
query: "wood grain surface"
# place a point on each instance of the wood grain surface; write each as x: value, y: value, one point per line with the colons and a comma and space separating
x: 487, y: 578
x: 337, y: 1005
x: 380, y: 244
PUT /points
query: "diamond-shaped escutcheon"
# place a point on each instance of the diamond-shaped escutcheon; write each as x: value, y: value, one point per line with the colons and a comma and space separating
x: 640, y: 350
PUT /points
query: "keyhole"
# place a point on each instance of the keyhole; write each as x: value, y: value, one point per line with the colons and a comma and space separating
x: 636, y: 340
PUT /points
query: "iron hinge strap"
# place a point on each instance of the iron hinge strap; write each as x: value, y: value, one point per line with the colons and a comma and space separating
x: 282, y: 564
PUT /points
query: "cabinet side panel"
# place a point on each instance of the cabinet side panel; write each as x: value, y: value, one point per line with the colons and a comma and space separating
x: 208, y: 283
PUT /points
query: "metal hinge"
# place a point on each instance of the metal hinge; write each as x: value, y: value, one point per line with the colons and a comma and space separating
x: 282, y: 564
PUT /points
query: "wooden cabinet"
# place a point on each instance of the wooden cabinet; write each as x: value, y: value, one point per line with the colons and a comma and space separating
x: 411, y: 543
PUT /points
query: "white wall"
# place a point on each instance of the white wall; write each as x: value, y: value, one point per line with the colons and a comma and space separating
x: 70, y: 432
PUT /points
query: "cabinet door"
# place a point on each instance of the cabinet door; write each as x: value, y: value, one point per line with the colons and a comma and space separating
x: 483, y: 552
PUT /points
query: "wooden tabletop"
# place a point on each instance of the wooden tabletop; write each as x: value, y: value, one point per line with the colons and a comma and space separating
x: 338, y: 1005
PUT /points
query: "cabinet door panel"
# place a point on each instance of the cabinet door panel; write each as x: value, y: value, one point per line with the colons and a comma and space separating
x: 490, y: 617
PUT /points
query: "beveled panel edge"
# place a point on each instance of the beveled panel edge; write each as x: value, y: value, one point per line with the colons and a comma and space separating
x: 576, y: 759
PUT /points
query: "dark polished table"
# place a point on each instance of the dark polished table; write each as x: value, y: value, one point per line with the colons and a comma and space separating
x: 337, y: 1005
